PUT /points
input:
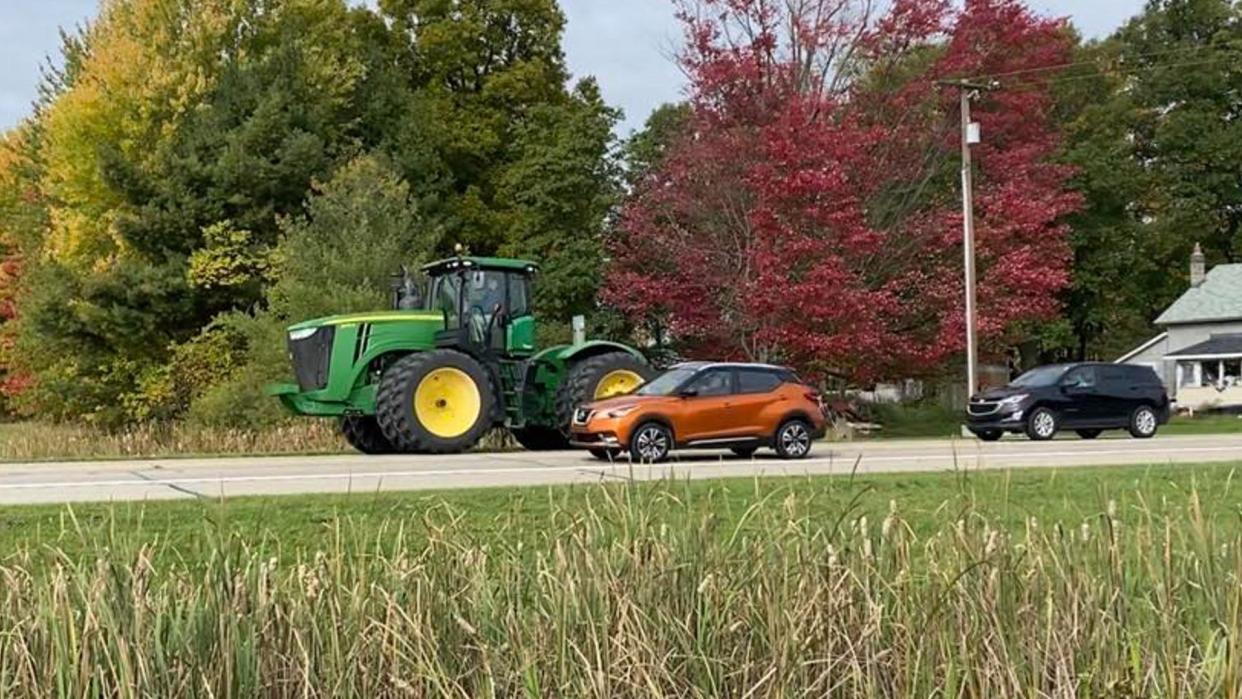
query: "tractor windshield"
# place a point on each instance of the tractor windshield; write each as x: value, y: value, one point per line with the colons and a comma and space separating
x: 479, y: 293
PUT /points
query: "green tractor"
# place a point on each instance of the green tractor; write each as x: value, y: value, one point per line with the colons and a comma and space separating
x: 455, y: 359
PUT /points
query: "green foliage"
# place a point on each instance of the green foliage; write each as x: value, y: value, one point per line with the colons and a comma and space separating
x: 166, y: 392
x: 555, y: 196
x: 337, y: 257
x: 645, y: 149
x: 1151, y: 128
x: 178, y: 146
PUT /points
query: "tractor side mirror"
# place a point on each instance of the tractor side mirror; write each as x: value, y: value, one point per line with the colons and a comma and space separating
x: 407, y: 296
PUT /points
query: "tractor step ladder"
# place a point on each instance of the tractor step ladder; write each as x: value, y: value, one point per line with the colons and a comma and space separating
x: 513, y: 388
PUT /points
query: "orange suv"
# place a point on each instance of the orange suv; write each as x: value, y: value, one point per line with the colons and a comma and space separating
x: 741, y: 407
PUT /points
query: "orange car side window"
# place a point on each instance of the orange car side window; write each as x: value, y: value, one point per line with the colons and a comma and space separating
x: 715, y: 383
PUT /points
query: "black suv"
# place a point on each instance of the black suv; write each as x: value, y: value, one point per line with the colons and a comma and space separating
x: 1086, y: 398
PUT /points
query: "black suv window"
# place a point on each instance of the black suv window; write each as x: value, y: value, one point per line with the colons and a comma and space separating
x: 1118, y: 375
x: 1143, y: 376
x: 714, y: 382
x: 1082, y: 377
x: 756, y: 381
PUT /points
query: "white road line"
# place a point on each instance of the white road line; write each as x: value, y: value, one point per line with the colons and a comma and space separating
x: 846, y: 458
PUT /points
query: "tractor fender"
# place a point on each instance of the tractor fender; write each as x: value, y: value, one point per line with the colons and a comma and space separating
x: 563, y: 354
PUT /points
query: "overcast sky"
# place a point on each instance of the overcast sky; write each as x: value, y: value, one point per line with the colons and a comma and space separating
x: 625, y: 43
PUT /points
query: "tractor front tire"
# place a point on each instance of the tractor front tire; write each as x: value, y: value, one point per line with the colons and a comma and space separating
x: 596, y: 378
x: 439, y: 402
x: 363, y: 433
x: 540, y: 439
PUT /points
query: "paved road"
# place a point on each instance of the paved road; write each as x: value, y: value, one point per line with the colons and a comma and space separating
x: 213, y: 478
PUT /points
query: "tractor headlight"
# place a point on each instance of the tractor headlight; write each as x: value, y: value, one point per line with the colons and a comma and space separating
x: 295, y: 335
x: 621, y: 412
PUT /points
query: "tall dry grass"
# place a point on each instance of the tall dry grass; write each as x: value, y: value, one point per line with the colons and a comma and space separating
x: 34, y: 441
x: 617, y: 600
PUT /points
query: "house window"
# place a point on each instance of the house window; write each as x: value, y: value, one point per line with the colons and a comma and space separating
x: 1233, y: 372
x: 1189, y: 374
x: 1212, y: 373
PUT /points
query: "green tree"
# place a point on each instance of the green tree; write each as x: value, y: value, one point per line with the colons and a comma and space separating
x: 182, y: 133
x: 187, y: 131
x: 506, y: 159
x: 336, y: 257
x: 1151, y: 127
x: 646, y: 148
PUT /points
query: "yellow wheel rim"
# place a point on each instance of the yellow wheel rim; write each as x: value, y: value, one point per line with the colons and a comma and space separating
x: 616, y: 383
x: 447, y: 402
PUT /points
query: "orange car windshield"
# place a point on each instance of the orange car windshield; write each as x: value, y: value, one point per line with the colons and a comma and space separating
x: 666, y: 383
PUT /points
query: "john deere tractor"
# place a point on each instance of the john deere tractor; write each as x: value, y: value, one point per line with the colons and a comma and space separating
x: 454, y: 359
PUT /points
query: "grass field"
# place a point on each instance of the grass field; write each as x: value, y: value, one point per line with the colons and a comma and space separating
x: 1089, y: 582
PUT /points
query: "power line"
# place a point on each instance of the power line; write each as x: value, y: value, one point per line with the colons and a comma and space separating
x: 1102, y: 73
x: 1228, y: 46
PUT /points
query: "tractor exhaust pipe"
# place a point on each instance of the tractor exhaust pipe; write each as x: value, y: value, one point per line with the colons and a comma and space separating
x: 579, y: 325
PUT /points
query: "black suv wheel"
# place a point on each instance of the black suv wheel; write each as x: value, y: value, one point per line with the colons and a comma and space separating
x: 1144, y: 423
x: 1042, y: 425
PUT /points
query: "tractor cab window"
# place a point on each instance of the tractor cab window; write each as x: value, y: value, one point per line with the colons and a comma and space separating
x: 485, y: 291
x: 445, y: 291
x: 519, y: 295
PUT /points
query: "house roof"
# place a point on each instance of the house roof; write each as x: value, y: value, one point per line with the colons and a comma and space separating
x: 1218, y: 298
x: 1142, y: 348
x: 1224, y: 346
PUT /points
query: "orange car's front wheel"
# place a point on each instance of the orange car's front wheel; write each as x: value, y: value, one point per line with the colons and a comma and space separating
x: 651, y: 443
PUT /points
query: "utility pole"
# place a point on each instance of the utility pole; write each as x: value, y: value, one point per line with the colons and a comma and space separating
x: 970, y: 136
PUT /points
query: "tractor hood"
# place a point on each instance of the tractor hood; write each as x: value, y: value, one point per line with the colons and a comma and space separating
x: 419, y: 317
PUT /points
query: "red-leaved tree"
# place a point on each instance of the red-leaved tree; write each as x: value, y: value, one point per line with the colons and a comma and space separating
x: 11, y: 383
x: 21, y: 211
x: 809, y: 212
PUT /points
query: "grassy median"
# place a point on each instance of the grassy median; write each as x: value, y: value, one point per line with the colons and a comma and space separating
x: 1090, y: 582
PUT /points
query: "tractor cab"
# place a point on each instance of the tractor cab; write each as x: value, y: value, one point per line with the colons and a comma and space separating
x: 485, y: 302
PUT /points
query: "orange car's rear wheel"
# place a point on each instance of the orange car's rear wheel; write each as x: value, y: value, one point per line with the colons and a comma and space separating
x: 793, y: 439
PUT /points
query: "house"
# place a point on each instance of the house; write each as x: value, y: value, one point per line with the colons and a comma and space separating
x: 1199, y: 354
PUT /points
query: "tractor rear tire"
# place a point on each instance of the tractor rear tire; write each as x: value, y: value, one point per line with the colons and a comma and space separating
x: 439, y: 402
x: 363, y: 433
x: 591, y: 379
x: 540, y: 439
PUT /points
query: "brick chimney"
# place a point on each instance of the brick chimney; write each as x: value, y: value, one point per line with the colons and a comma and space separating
x: 1198, y: 267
